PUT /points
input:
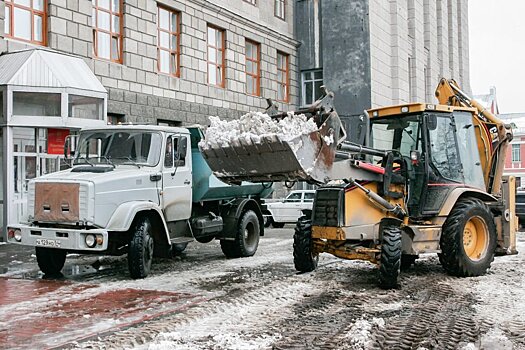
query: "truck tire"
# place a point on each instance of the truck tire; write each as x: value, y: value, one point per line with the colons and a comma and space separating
x: 140, y: 254
x: 50, y: 260
x: 246, y: 238
x: 390, y: 264
x: 304, y: 258
x: 468, y: 239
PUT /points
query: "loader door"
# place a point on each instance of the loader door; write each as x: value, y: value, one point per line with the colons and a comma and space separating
x: 445, y: 170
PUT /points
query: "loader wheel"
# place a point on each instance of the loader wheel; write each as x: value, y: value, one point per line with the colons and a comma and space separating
x: 246, y: 238
x: 50, y: 260
x: 304, y: 257
x: 140, y: 254
x: 390, y: 264
x: 468, y: 239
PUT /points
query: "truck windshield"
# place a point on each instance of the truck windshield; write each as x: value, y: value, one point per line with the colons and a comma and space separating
x: 400, y: 134
x: 118, y: 147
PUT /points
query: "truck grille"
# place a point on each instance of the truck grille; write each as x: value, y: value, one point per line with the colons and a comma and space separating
x: 328, y: 207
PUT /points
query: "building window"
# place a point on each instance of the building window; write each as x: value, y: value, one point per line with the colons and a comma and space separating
x: 312, y: 82
x: 40, y: 104
x: 85, y: 107
x: 26, y: 20
x: 282, y: 77
x: 116, y: 119
x: 253, y: 2
x: 253, y: 72
x: 216, y: 56
x: 107, y: 29
x: 279, y: 8
x: 516, y: 153
x: 168, y: 35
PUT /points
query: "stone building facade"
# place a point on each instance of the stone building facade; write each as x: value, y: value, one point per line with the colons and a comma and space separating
x: 377, y: 53
x: 138, y: 91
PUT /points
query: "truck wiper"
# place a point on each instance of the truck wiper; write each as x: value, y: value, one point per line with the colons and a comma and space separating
x: 131, y: 160
x: 109, y: 161
x: 86, y: 159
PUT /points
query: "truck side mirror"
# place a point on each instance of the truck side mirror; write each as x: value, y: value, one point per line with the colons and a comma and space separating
x: 182, y: 149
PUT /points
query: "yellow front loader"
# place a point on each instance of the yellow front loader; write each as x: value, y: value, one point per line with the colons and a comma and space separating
x: 426, y: 179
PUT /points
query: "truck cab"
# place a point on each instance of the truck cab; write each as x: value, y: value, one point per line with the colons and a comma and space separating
x: 141, y: 190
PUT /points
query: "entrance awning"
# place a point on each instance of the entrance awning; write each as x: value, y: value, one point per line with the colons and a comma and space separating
x: 44, y: 68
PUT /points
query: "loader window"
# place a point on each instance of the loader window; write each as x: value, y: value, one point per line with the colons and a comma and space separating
x: 444, y: 151
x: 468, y: 150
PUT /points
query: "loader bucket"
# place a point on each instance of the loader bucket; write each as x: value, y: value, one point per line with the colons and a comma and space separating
x: 307, y: 157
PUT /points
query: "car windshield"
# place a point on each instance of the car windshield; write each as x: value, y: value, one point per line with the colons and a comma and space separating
x: 118, y: 147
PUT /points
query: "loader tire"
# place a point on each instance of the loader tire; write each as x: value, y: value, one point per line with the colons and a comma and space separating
x: 390, y: 264
x: 50, y: 260
x: 140, y: 254
x: 246, y: 238
x: 468, y: 239
x: 304, y: 258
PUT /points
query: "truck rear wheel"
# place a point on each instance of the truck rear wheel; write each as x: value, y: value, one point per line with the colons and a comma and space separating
x: 468, y: 239
x: 50, y: 260
x: 246, y: 238
x: 390, y: 264
x: 304, y: 258
x: 140, y: 254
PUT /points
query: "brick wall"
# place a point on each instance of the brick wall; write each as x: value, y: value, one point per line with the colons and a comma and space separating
x: 139, y: 92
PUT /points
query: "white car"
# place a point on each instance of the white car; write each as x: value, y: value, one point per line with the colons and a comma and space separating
x: 289, y: 209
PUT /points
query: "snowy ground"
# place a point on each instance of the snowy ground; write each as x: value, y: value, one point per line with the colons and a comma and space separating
x: 262, y: 303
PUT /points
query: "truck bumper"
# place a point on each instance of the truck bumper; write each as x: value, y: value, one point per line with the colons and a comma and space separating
x: 51, y: 237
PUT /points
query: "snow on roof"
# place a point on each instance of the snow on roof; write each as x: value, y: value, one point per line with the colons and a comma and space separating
x: 45, y: 68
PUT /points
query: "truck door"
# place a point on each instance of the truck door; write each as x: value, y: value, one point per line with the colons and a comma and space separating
x: 176, y: 178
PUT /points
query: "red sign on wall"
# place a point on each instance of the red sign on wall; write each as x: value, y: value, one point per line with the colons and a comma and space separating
x: 55, y: 140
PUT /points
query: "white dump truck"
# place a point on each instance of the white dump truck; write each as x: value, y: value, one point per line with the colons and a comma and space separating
x: 141, y: 190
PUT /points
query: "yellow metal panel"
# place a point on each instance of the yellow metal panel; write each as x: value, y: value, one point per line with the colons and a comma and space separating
x: 414, y: 108
x: 359, y: 210
x: 332, y: 233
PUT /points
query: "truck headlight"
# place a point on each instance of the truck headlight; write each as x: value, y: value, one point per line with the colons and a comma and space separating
x: 90, y: 240
x: 14, y: 233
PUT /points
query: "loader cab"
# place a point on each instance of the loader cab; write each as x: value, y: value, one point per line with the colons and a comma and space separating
x: 435, y: 149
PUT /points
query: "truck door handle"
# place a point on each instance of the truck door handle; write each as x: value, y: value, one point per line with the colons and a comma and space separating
x: 155, y: 177
x: 187, y: 182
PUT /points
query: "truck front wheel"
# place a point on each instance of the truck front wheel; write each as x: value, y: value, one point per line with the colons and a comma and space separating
x: 140, y: 254
x: 246, y: 238
x: 50, y: 260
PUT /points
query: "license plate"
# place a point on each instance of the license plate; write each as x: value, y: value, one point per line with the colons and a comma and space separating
x: 53, y: 243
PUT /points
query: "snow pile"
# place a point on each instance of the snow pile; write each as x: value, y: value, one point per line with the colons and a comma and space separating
x: 358, y: 336
x: 254, y: 125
